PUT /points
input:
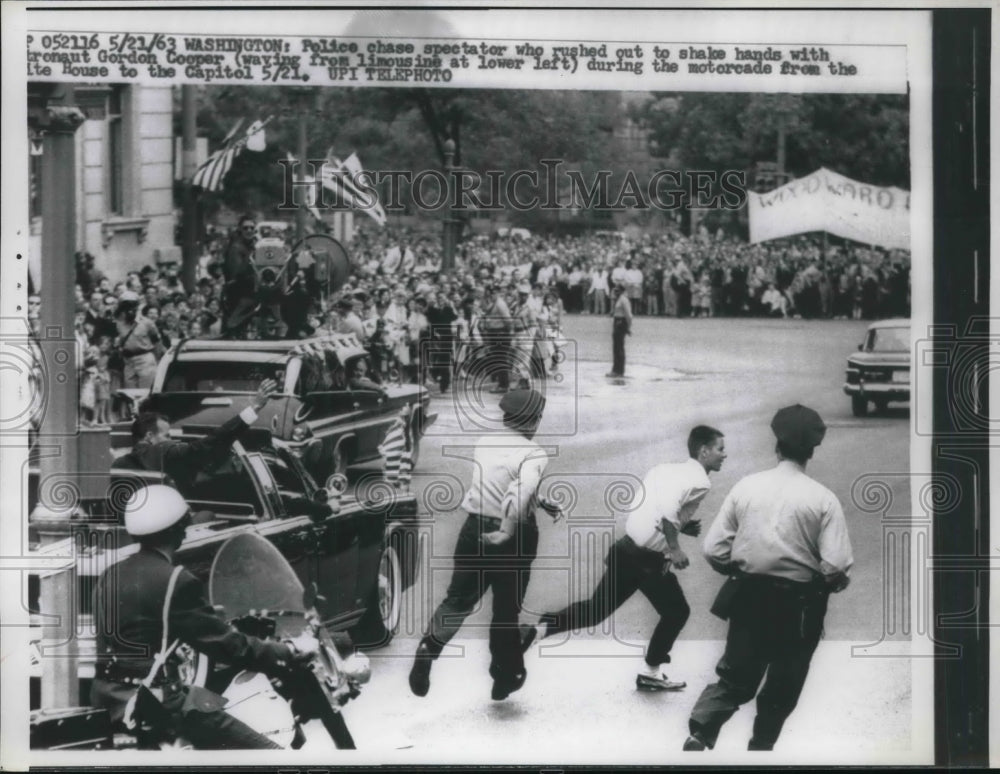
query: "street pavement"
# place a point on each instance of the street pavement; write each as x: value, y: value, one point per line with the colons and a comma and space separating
x: 861, y: 704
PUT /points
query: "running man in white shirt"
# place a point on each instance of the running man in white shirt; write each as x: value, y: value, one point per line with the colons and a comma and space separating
x: 644, y: 558
x: 495, y: 547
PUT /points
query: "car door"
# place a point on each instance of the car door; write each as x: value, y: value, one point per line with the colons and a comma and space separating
x: 322, y: 552
x: 375, y: 420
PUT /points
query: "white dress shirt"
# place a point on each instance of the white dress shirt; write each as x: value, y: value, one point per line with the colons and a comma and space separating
x: 781, y: 522
x: 671, y: 491
x: 508, y: 467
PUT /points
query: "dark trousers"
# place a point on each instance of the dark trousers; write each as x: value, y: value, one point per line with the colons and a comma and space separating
x: 774, y: 628
x: 506, y: 569
x: 631, y: 569
x: 618, y: 346
x: 498, y: 357
x: 441, y: 362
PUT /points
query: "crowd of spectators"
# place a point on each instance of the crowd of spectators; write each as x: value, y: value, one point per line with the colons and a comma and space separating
x: 422, y: 324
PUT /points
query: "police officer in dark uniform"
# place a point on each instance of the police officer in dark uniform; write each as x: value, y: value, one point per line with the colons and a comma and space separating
x: 495, y: 547
x: 781, y: 537
x: 130, y: 604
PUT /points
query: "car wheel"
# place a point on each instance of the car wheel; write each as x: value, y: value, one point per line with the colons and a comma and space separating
x: 381, y: 620
x: 859, y: 406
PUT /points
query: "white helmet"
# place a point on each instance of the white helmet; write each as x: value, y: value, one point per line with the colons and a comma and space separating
x: 153, y: 509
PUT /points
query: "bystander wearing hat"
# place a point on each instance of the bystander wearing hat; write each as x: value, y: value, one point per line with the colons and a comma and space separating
x: 137, y: 341
x: 781, y: 537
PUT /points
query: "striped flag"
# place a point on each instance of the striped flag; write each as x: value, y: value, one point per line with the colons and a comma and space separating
x: 398, y: 453
x: 340, y: 177
x: 211, y: 173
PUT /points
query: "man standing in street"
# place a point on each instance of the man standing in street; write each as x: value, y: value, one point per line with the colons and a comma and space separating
x: 644, y: 558
x: 496, y: 325
x: 781, y: 537
x: 622, y: 326
x: 496, y: 546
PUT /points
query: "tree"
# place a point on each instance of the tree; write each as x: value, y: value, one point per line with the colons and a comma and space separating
x: 864, y: 136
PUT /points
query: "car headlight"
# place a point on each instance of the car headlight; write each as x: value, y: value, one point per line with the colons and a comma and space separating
x: 301, y: 432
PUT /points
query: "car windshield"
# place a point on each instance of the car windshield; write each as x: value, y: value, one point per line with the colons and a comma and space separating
x: 209, y: 376
x: 888, y: 340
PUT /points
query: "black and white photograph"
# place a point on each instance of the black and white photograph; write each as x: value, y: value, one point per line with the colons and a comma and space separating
x: 493, y: 386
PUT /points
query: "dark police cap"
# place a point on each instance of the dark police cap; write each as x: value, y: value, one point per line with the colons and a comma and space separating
x: 522, y: 403
x: 799, y: 427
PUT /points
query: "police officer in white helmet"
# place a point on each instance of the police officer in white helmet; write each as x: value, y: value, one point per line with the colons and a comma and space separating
x: 132, y: 600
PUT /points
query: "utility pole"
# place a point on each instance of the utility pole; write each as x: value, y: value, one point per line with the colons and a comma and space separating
x: 448, y: 236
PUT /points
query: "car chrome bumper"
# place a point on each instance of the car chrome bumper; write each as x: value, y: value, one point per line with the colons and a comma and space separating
x: 879, y: 389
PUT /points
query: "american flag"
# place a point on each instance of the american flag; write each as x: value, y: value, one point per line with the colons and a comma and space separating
x: 340, y: 177
x: 211, y: 173
x: 398, y: 453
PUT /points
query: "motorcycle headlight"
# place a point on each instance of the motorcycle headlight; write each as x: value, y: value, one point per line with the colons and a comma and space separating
x: 357, y: 668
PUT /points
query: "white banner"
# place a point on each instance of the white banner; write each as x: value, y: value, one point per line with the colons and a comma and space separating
x: 827, y: 201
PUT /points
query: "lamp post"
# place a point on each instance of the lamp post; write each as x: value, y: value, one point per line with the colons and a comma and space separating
x: 448, y: 236
x: 53, y: 112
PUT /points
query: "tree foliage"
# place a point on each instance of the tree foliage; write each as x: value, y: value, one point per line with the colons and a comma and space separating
x: 406, y: 129
x: 863, y: 136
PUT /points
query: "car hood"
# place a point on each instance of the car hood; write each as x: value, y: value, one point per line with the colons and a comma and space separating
x: 879, y: 358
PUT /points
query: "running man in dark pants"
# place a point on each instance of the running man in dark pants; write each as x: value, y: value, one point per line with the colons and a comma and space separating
x: 782, y: 539
x: 642, y: 560
x: 621, y: 311
x: 496, y: 546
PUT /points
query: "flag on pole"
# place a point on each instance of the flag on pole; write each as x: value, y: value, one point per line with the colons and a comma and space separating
x: 340, y: 177
x: 212, y: 172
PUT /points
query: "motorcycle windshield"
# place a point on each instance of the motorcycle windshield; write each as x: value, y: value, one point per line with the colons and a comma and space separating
x: 249, y: 573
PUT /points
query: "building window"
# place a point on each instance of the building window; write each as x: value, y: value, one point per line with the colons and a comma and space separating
x: 116, y: 120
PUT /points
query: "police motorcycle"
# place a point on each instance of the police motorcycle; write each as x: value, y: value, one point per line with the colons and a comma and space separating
x: 253, y: 586
x: 256, y: 590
